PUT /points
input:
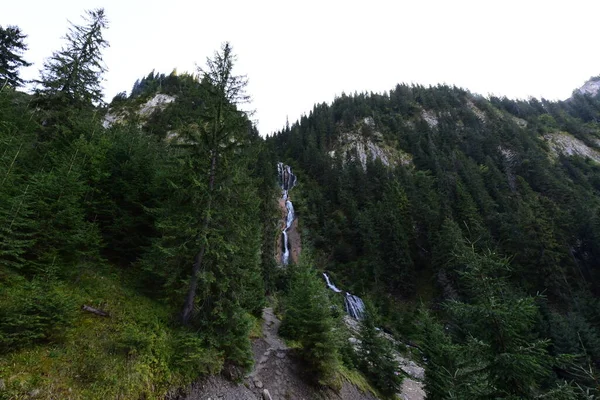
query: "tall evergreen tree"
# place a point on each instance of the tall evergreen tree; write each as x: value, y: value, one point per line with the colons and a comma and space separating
x: 375, y: 356
x: 74, y: 74
x: 12, y: 47
x: 308, y: 320
x: 218, y: 130
x: 496, y: 327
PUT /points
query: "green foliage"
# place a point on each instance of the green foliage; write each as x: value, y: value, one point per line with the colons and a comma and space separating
x: 73, y: 75
x: 493, y: 351
x: 480, y: 169
x: 193, y: 358
x: 375, y: 358
x: 12, y: 46
x: 72, y: 192
x: 137, y: 352
x: 192, y: 220
x: 33, y: 312
x: 308, y: 320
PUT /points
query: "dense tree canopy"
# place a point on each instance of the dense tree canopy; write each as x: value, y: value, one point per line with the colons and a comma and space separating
x: 474, y: 233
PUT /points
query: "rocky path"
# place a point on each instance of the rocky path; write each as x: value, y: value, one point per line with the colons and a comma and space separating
x: 276, y: 375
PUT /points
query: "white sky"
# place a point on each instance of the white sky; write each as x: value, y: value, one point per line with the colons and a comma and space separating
x: 299, y: 53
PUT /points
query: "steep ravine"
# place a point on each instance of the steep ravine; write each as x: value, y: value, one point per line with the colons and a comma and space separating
x: 276, y: 373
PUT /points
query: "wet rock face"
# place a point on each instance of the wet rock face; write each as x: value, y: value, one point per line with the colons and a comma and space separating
x: 287, y: 180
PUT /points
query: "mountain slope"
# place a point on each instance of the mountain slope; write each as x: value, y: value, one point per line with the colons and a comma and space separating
x: 508, y: 186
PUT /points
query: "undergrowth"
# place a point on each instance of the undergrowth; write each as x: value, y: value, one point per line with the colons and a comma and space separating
x: 52, y: 349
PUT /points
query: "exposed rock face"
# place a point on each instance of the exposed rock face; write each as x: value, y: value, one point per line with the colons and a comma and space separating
x: 591, y: 87
x: 509, y: 160
x: 566, y: 144
x: 158, y: 102
x: 365, y: 143
x: 478, y: 113
x: 519, y: 121
x: 430, y: 118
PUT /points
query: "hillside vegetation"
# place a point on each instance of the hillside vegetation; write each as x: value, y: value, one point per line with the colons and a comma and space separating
x: 469, y: 225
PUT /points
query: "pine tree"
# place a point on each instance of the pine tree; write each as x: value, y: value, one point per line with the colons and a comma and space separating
x: 442, y: 371
x: 12, y: 46
x: 307, y: 319
x: 220, y: 128
x: 497, y: 327
x: 375, y: 356
x: 73, y: 75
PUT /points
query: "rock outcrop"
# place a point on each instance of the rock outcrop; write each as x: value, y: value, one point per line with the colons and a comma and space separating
x: 591, y: 87
x: 567, y: 144
x: 158, y: 102
x: 365, y: 143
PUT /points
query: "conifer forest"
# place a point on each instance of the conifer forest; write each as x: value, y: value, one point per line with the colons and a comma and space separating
x: 141, y: 240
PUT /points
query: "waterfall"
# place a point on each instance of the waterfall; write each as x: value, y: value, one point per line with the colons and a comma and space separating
x: 354, y: 304
x: 331, y: 285
x: 287, y: 180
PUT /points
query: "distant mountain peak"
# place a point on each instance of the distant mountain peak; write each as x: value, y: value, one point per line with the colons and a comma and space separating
x: 591, y: 87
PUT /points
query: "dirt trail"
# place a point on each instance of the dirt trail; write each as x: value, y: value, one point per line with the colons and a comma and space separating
x: 273, y: 342
x: 275, y: 370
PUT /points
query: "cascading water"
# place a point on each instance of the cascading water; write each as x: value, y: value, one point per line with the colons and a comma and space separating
x: 287, y: 180
x: 354, y: 304
x: 331, y: 285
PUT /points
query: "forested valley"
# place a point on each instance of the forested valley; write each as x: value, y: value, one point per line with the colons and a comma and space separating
x: 140, y: 240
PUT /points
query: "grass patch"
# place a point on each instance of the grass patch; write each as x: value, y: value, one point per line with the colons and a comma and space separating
x: 356, y: 378
x: 256, y: 328
x: 136, y: 353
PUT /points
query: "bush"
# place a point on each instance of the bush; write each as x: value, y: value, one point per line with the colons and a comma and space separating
x: 34, y: 312
x: 192, y: 358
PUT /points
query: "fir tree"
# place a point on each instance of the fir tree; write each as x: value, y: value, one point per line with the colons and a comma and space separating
x: 375, y: 356
x: 12, y: 47
x: 74, y: 74
x: 220, y: 129
x: 307, y: 319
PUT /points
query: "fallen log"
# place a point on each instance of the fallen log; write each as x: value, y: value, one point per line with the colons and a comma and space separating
x: 95, y: 311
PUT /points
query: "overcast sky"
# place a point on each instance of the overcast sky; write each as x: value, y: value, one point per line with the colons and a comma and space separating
x: 304, y: 52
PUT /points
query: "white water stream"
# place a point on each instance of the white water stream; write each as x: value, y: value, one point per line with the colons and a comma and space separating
x: 287, y: 180
x: 354, y: 304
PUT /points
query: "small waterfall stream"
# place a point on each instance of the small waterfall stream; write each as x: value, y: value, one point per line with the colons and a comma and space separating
x: 354, y: 304
x: 287, y: 180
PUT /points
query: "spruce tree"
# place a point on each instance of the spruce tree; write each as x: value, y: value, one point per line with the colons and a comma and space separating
x: 308, y: 319
x: 375, y: 356
x: 221, y: 128
x: 73, y: 75
x: 12, y: 47
x: 497, y: 327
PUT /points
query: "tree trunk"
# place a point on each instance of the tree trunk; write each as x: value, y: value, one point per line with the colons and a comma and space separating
x: 188, y: 306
